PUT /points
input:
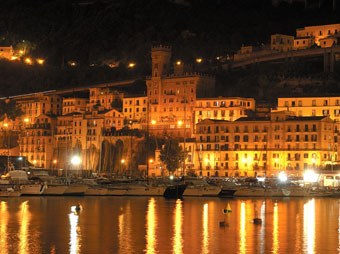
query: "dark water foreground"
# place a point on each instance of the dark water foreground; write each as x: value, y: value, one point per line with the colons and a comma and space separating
x: 157, y: 225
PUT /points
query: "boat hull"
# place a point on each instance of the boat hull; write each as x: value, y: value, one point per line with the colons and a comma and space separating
x: 145, y: 191
x: 175, y: 191
x: 31, y: 189
x: 96, y: 191
x: 75, y: 190
x: 54, y: 190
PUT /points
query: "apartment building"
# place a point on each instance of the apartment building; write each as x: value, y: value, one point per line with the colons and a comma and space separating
x: 71, y: 105
x: 318, y: 32
x: 223, y: 108
x: 104, y: 97
x: 311, y: 106
x: 37, y: 142
x: 247, y: 147
x: 135, y: 108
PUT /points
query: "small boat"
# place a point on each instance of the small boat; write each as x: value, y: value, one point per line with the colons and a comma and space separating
x: 94, y: 189
x: 200, y: 188
x: 10, y: 192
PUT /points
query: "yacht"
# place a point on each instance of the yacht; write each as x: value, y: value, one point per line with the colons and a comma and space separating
x: 94, y: 189
x: 199, y: 187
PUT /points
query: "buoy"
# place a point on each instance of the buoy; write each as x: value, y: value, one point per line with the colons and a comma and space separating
x: 223, y: 224
x: 227, y: 209
x: 78, y: 208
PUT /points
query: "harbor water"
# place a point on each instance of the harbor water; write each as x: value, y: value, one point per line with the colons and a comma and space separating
x: 158, y: 225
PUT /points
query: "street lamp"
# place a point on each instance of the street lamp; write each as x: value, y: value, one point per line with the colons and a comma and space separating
x: 153, y: 122
x: 179, y: 123
x: 75, y: 161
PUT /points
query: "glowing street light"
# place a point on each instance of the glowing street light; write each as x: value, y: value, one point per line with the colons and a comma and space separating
x: 131, y: 65
x: 55, y: 161
x: 35, y: 162
x: 206, y: 160
x: 178, y: 62
x: 179, y: 123
x: 14, y: 58
x: 199, y: 60
x: 21, y: 52
x: 122, y: 161
x: 283, y: 177
x: 310, y: 176
x: 75, y: 160
x: 151, y: 160
x: 153, y: 122
x: 5, y: 125
x: 26, y: 120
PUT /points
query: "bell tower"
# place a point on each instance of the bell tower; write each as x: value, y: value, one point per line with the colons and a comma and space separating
x: 160, y: 56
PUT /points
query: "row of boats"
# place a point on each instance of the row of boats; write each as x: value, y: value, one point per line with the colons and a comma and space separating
x: 17, y: 183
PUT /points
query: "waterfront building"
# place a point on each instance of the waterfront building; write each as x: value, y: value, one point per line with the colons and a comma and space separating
x: 172, y: 97
x: 223, y: 108
x: 249, y: 146
x: 36, y: 141
x: 281, y: 42
x: 311, y: 106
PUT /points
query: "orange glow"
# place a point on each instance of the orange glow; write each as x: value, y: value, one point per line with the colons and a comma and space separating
x: 55, y: 161
x: 178, y: 62
x: 205, y: 229
x: 74, y: 233
x: 199, y: 60
x: 309, y: 225
x: 14, y: 58
x: 5, y: 125
x: 4, y: 216
x: 151, y: 160
x: 26, y: 120
x: 72, y: 63
x: 122, y: 161
x: 35, y: 161
x: 28, y: 61
x: 177, y: 239
x: 243, y: 233
x: 40, y: 61
x: 153, y: 122
x: 151, y: 227
x: 275, y: 230
x: 131, y: 65
x: 21, y: 52
x: 24, y: 218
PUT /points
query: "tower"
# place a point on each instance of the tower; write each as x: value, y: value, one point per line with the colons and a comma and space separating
x: 160, y: 56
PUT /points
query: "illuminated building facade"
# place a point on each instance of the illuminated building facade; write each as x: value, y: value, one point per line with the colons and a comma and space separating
x: 311, y: 106
x: 135, y: 108
x: 316, y: 33
x: 104, y: 97
x: 247, y: 147
x: 172, y: 97
x: 71, y: 105
x: 281, y: 42
x: 36, y: 141
x: 6, y: 52
x: 229, y: 108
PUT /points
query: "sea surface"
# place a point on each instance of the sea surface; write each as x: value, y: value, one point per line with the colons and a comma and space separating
x: 157, y: 225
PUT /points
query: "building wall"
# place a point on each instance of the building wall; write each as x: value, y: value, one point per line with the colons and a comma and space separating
x: 281, y: 42
x: 71, y: 105
x: 303, y: 43
x: 103, y: 97
x: 318, y: 32
x: 247, y: 148
x: 311, y: 106
x: 135, y: 108
x: 229, y: 108
x: 6, y: 52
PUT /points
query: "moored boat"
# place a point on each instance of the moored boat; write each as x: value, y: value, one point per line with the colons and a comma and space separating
x: 75, y: 189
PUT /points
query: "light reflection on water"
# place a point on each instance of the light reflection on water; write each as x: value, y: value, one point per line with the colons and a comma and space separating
x: 309, y: 225
x: 205, y: 229
x: 3, y: 227
x: 74, y: 232
x: 151, y: 228
x: 177, y: 238
x: 24, y: 217
x: 157, y: 225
